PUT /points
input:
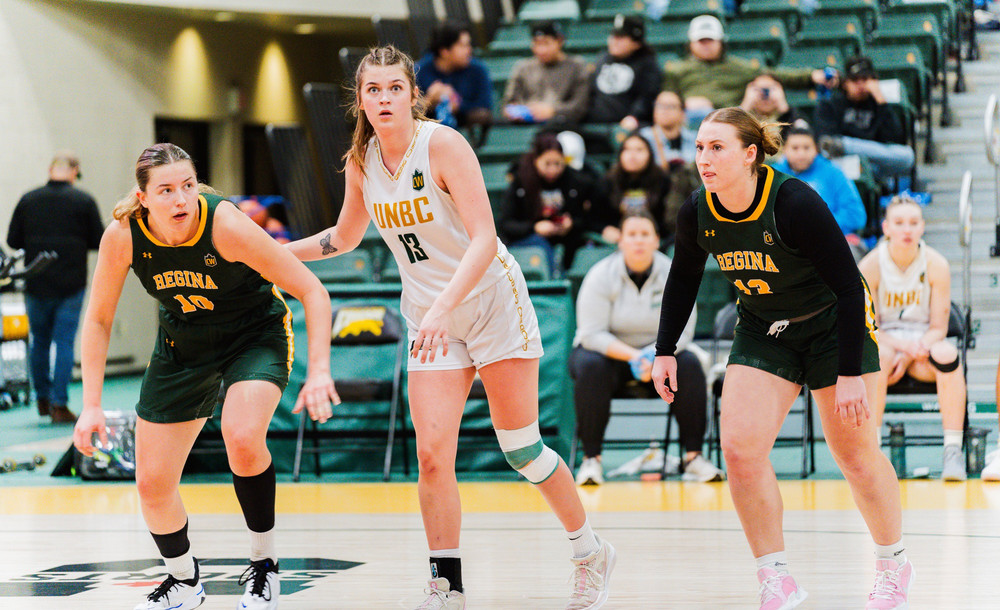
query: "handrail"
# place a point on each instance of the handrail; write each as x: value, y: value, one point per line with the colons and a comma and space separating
x: 965, y: 236
x: 991, y: 123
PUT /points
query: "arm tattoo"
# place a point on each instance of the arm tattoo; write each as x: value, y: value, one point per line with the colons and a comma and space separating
x: 325, y: 242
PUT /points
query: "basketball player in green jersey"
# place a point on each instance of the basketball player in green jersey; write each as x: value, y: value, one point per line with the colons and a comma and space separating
x: 805, y: 318
x: 219, y: 321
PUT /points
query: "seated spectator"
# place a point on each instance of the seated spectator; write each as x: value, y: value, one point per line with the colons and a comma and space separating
x: 802, y: 160
x: 617, y: 316
x: 709, y: 78
x: 858, y: 121
x: 547, y: 202
x: 765, y: 100
x: 549, y: 87
x: 668, y: 135
x: 626, y: 78
x: 911, y: 283
x: 456, y: 85
x: 635, y: 182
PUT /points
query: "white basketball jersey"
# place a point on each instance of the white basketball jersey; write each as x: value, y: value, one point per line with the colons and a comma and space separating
x: 904, y: 296
x: 420, y: 222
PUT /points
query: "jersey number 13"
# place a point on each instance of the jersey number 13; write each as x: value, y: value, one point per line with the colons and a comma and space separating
x: 413, y: 250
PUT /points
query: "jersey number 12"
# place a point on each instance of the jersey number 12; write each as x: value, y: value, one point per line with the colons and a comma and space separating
x: 413, y: 250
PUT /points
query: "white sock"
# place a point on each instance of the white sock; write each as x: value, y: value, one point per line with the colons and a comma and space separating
x: 878, y: 435
x: 443, y: 553
x: 181, y: 568
x: 262, y: 546
x: 584, y: 541
x: 776, y: 561
x: 953, y: 437
x: 895, y: 552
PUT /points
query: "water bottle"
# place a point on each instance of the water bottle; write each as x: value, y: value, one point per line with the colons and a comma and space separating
x: 897, y: 449
x: 824, y: 91
x: 443, y: 112
x: 976, y: 455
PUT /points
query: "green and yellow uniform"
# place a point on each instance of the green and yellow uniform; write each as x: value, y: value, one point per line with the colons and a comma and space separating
x: 218, y: 321
x: 788, y: 313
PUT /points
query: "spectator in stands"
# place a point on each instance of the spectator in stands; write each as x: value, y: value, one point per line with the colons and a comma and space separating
x: 549, y: 87
x: 626, y: 78
x: 912, y: 286
x: 858, y: 121
x: 547, y: 202
x: 709, y: 78
x: 668, y: 135
x: 802, y: 160
x: 636, y: 182
x: 765, y: 100
x: 456, y: 86
x: 617, y: 315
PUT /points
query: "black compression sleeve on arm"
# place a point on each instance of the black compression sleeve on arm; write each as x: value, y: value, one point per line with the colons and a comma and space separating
x: 806, y: 223
x: 683, y: 281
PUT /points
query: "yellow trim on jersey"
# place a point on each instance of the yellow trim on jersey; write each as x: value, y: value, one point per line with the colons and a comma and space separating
x: 760, y: 204
x: 870, y: 312
x: 287, y: 320
x: 406, y: 156
x: 203, y: 205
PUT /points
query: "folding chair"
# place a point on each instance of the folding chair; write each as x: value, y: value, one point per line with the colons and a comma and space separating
x: 366, y: 338
x: 916, y: 393
x: 724, y: 331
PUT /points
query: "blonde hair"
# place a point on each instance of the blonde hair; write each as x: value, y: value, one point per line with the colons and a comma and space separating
x: 901, y: 199
x: 766, y: 136
x: 156, y: 155
x: 363, y: 130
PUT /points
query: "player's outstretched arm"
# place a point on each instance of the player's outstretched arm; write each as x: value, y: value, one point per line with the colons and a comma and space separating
x: 113, y: 260
x: 349, y: 230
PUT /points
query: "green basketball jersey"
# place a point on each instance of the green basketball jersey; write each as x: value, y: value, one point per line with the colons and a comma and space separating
x: 774, y: 281
x: 192, y: 282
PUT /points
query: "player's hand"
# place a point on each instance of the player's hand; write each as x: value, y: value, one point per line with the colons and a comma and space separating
x: 432, y: 334
x: 316, y: 396
x: 665, y: 377
x: 900, y: 363
x: 91, y: 420
x: 852, y: 401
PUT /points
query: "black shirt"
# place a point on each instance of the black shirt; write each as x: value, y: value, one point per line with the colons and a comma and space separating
x: 867, y: 120
x: 804, y: 222
x: 63, y: 219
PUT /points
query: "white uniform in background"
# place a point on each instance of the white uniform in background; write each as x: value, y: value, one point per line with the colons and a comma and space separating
x: 904, y: 296
x: 421, y: 225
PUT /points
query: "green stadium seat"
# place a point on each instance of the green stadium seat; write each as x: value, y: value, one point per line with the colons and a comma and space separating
x: 583, y: 260
x: 757, y: 58
x: 686, y: 10
x: 786, y: 10
x: 598, y: 10
x: 766, y: 34
x: 944, y: 12
x: 813, y: 57
x: 533, y: 261
x: 542, y: 10
x: 506, y: 142
x: 715, y: 293
x: 511, y: 39
x: 389, y: 273
x: 495, y: 175
x: 842, y: 31
x: 353, y: 267
x: 803, y: 101
x: 867, y: 11
x: 920, y: 29
x: 906, y: 63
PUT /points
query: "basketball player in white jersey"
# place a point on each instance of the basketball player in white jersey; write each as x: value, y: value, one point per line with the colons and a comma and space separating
x: 912, y: 285
x: 467, y: 310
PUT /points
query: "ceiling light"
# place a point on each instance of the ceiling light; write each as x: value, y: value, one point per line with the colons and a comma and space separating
x: 225, y: 16
x: 305, y: 28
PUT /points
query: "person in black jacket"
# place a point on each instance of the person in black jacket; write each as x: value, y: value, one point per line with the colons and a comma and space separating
x: 626, y: 79
x: 857, y: 120
x: 548, y: 203
x: 61, y: 218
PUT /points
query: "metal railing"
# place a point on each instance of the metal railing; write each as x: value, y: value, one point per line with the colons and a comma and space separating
x: 992, y: 133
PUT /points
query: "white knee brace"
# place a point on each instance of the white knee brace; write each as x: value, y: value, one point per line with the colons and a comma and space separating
x: 527, y: 454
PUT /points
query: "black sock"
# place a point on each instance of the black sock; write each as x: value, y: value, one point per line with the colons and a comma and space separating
x: 449, y: 568
x: 173, y: 545
x: 256, y: 496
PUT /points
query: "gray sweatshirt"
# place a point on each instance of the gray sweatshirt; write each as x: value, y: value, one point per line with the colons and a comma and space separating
x: 565, y: 85
x: 609, y: 306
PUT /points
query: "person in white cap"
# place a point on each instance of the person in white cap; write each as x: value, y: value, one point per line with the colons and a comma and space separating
x: 710, y: 78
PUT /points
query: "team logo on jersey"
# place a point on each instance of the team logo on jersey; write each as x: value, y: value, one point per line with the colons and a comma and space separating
x: 923, y: 276
x: 418, y: 180
x: 210, y: 260
x: 220, y: 576
x: 768, y: 239
x: 147, y: 255
x: 709, y: 232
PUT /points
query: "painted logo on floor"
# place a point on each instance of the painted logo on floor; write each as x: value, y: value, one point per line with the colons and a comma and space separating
x: 220, y: 576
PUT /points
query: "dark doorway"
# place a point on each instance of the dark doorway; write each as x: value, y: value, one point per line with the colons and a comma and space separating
x: 259, y: 177
x: 192, y: 136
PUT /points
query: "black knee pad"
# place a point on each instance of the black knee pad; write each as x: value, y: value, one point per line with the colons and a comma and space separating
x: 944, y: 368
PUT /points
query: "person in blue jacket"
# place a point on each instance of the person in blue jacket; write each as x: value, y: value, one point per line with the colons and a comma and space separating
x: 802, y: 160
x: 455, y: 84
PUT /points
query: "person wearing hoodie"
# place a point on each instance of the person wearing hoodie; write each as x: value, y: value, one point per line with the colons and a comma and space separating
x: 626, y: 79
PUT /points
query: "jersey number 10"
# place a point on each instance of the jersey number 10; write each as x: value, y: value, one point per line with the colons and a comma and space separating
x: 193, y: 302
x: 413, y: 250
